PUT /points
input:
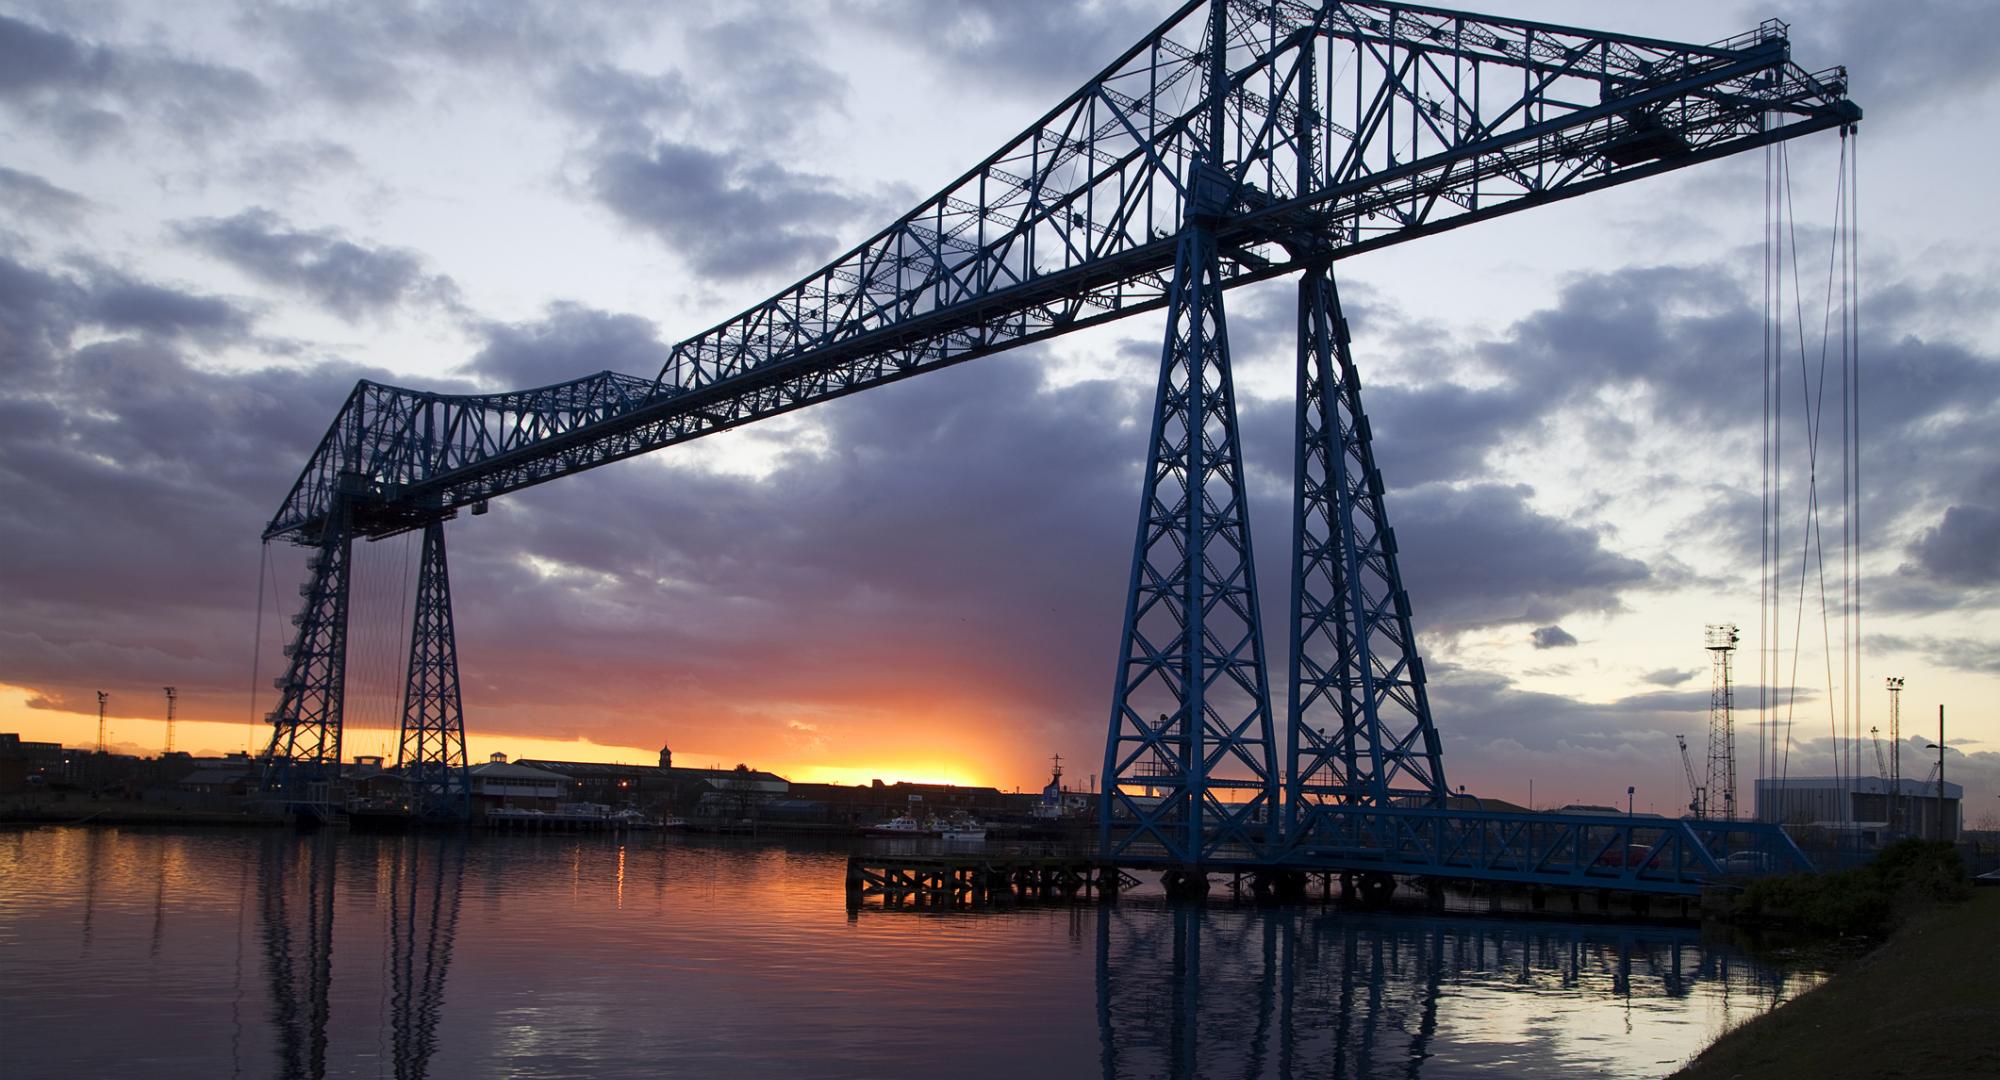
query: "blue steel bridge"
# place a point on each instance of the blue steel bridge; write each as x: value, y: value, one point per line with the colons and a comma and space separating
x: 1241, y: 140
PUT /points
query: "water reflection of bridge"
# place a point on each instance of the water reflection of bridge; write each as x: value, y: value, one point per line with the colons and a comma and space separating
x: 1191, y: 991
x: 421, y: 878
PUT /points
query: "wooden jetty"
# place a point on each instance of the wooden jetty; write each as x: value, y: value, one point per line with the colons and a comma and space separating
x: 975, y: 878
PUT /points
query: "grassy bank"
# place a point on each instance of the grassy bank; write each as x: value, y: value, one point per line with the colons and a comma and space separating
x: 1925, y: 1003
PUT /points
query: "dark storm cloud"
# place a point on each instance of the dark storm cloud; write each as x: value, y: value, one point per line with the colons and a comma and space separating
x: 1963, y: 548
x: 136, y: 484
x: 33, y: 198
x: 1964, y: 654
x: 1443, y: 431
x: 730, y: 217
x: 571, y: 340
x: 1480, y: 556
x: 1687, y: 335
x: 683, y: 158
x: 118, y: 303
x: 33, y: 59
x: 83, y: 92
x: 1551, y: 637
x: 1032, y: 47
x: 346, y: 277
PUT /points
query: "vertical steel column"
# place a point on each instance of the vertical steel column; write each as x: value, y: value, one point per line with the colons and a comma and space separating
x: 1192, y: 651
x: 306, y: 725
x: 1358, y: 717
x: 1191, y: 713
x: 432, y: 749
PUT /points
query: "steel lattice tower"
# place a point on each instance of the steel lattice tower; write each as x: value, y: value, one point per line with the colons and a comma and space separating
x: 1358, y: 716
x: 1721, y: 644
x: 432, y: 749
x: 1192, y: 650
x: 306, y: 725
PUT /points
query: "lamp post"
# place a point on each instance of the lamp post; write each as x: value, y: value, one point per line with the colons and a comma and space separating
x: 1939, y: 747
x: 1629, y: 792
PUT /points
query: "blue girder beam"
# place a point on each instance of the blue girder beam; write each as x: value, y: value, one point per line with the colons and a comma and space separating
x: 1644, y: 854
x: 1340, y: 128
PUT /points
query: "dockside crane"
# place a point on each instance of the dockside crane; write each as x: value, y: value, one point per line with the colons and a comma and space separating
x: 1696, y: 793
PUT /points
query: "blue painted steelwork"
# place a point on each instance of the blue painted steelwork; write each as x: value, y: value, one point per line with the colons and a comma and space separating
x: 1343, y: 128
x: 431, y: 749
x: 1645, y: 854
x: 304, y: 751
x: 1358, y: 718
x: 1241, y: 140
x: 1202, y: 780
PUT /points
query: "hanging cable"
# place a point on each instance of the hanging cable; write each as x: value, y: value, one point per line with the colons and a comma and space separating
x: 1855, y: 367
x: 256, y: 649
x: 1764, y: 656
x: 1813, y: 545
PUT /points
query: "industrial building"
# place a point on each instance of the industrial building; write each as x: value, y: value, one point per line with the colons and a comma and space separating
x: 1908, y: 808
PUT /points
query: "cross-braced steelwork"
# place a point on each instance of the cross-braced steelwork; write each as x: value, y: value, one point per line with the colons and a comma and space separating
x: 432, y: 748
x: 1359, y: 729
x: 1720, y: 640
x: 1348, y: 126
x: 1241, y: 140
x: 306, y: 725
x: 1201, y: 778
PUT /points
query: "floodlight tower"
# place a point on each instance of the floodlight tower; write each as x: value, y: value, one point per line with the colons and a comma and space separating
x: 172, y: 697
x: 102, y: 697
x: 1721, y: 643
x: 1895, y: 750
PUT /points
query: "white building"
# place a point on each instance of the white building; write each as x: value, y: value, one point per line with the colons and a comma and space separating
x: 1849, y: 802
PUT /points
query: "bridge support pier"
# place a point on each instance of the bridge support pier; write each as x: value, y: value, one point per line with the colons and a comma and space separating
x: 1184, y: 884
x: 432, y: 745
x: 1358, y: 718
x: 304, y: 753
x: 1202, y: 778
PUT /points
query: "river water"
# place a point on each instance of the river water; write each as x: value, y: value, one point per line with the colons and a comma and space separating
x: 267, y: 954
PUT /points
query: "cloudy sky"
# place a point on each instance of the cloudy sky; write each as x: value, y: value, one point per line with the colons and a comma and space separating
x: 212, y: 224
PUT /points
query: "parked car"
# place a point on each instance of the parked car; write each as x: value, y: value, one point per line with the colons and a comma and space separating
x: 1747, y: 862
x: 1633, y: 855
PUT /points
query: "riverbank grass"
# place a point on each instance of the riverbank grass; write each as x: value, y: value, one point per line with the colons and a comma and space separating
x: 1925, y: 1003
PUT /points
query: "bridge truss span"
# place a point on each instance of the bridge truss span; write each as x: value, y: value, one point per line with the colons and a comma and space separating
x: 1240, y: 140
x: 1315, y: 132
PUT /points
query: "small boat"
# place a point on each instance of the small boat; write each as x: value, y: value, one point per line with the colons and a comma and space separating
x: 961, y: 828
x: 904, y: 826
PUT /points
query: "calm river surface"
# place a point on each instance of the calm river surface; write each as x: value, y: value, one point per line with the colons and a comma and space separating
x: 256, y: 954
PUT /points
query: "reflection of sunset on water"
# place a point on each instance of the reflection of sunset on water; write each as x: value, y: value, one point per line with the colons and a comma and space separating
x: 232, y: 950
